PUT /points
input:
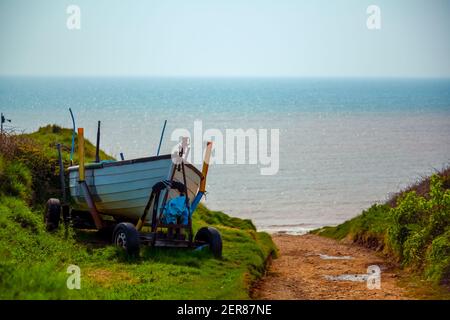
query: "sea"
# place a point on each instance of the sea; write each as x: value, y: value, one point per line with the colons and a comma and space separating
x: 344, y: 143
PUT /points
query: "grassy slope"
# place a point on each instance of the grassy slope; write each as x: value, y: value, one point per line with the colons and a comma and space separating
x: 413, y: 228
x: 47, y: 137
x: 33, y: 262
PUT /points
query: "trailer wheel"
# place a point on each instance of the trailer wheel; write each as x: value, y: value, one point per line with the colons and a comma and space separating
x: 52, y: 214
x: 126, y: 236
x: 212, y: 237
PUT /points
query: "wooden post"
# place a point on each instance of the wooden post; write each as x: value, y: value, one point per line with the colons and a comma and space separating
x: 202, y: 189
x: 82, y: 183
x: 205, y: 166
x: 91, y: 205
x: 81, y: 154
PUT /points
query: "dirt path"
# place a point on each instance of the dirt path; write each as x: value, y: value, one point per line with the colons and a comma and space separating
x: 307, y: 263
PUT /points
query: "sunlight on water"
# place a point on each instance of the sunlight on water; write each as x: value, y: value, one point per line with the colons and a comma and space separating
x: 344, y: 145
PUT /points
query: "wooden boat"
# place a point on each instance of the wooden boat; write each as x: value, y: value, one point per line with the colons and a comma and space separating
x: 134, y: 192
x: 122, y: 188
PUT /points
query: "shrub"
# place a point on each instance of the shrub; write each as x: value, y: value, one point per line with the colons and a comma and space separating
x: 409, y: 217
x: 438, y: 259
x: 15, y: 179
x: 413, y: 248
x: 418, y: 233
x: 439, y: 206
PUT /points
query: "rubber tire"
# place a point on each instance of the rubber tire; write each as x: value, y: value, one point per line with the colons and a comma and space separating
x: 127, y: 232
x: 212, y: 237
x: 52, y: 214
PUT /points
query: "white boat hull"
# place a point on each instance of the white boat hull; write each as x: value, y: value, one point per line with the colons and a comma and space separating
x: 122, y: 188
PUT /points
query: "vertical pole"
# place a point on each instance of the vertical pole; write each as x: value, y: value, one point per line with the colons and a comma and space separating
x: 82, y: 183
x: 2, y: 118
x: 160, y: 139
x: 97, y: 149
x: 81, y: 154
x: 191, y: 235
x: 73, y: 136
x: 61, y: 174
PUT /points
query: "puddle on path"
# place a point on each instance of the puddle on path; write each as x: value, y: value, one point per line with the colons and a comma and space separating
x: 348, y: 277
x: 327, y: 257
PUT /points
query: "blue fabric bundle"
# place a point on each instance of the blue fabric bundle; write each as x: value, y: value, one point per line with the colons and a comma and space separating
x: 175, y: 209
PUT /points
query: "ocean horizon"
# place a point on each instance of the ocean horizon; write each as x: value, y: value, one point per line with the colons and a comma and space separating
x: 345, y: 143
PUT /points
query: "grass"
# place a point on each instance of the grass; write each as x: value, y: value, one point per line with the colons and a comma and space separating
x: 34, y: 263
x: 412, y: 228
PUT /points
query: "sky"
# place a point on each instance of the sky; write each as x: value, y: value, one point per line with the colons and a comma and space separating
x: 225, y: 38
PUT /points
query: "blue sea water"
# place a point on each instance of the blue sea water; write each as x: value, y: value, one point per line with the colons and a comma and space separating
x: 344, y: 143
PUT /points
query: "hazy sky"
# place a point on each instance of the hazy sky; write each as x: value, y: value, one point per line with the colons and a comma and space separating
x: 226, y: 38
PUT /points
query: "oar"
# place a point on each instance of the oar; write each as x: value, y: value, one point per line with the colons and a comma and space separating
x: 162, y: 135
x: 73, y: 137
x: 97, y: 147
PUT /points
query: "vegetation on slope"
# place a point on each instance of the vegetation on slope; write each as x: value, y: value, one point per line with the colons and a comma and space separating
x: 413, y: 227
x: 36, y: 153
x: 34, y: 263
